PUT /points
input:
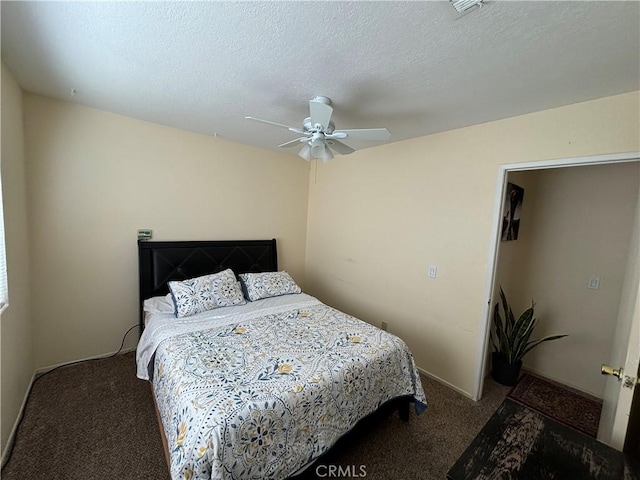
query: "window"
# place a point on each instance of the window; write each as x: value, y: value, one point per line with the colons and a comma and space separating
x: 4, y: 290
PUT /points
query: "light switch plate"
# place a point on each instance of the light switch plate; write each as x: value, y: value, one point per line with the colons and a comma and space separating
x: 594, y: 282
x: 433, y: 271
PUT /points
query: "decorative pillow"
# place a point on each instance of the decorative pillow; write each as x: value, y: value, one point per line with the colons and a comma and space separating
x: 267, y: 284
x: 200, y: 294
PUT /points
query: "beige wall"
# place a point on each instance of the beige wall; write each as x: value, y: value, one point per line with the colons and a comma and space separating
x: 379, y: 217
x: 15, y: 323
x: 95, y: 178
x: 513, y: 256
x: 512, y: 264
x: 358, y: 232
x: 579, y: 223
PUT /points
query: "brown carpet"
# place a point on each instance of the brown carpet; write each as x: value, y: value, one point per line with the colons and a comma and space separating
x: 96, y: 420
x: 567, y: 406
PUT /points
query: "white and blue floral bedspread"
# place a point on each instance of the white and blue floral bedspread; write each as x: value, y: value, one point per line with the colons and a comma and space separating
x: 261, y: 393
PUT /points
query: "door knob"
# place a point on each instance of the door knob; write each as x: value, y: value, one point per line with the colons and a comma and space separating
x: 607, y: 370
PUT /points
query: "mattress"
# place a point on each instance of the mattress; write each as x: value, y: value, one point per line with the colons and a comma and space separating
x: 261, y: 390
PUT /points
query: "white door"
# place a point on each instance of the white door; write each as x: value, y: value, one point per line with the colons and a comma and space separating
x: 625, y: 352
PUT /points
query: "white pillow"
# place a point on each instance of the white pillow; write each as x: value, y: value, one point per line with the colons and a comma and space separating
x: 205, y: 293
x: 267, y: 284
x: 159, y: 304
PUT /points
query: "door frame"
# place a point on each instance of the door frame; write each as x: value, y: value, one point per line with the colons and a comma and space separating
x: 503, y: 172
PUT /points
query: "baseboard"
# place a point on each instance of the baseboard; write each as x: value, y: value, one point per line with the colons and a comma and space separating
x: 12, y: 434
x: 36, y: 374
x: 444, y: 382
x: 43, y: 370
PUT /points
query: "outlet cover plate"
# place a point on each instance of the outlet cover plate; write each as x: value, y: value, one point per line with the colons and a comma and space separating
x: 433, y: 271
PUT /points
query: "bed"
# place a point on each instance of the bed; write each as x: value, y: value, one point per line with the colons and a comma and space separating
x: 262, y: 388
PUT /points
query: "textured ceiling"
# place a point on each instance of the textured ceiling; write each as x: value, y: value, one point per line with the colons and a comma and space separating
x: 413, y: 67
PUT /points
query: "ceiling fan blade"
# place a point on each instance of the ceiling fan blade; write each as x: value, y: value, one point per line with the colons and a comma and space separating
x: 363, y: 133
x: 320, y: 113
x: 292, y: 129
x: 267, y: 121
x: 340, y: 147
x: 291, y: 143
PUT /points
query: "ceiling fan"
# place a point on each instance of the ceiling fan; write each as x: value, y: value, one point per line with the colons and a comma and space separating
x: 319, y: 134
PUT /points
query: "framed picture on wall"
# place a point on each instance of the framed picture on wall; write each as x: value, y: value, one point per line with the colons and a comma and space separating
x: 512, y: 207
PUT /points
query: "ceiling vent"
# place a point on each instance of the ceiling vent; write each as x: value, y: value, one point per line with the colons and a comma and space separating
x: 464, y: 5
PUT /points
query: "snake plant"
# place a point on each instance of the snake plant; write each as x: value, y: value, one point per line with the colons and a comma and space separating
x: 513, y: 335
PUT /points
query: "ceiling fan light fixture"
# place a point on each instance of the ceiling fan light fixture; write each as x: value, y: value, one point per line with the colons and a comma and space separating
x: 464, y: 5
x: 317, y: 149
x: 326, y: 155
x: 305, y: 152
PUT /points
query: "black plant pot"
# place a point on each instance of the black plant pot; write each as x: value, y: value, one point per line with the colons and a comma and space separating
x: 504, y: 372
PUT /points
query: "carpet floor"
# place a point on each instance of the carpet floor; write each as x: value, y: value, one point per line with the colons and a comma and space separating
x: 96, y: 420
x: 567, y: 406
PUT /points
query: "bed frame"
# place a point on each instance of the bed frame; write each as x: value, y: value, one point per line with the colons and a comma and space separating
x: 162, y: 262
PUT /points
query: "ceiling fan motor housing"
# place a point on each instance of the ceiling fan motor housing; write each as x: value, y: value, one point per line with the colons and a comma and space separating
x: 307, y: 126
x: 321, y: 99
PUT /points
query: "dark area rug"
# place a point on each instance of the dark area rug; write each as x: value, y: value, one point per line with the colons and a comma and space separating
x: 520, y: 444
x: 567, y: 406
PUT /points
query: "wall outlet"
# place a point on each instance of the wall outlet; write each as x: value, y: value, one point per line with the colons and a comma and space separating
x: 384, y: 326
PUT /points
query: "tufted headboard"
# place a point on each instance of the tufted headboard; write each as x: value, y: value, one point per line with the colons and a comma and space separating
x: 161, y: 262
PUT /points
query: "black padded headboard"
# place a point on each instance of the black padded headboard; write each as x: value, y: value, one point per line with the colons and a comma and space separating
x: 161, y: 262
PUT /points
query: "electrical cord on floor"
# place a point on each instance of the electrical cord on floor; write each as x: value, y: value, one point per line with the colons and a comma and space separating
x: 38, y: 377
x: 5, y: 460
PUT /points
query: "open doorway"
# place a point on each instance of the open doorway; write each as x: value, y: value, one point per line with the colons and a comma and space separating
x: 571, y: 209
x: 570, y: 258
